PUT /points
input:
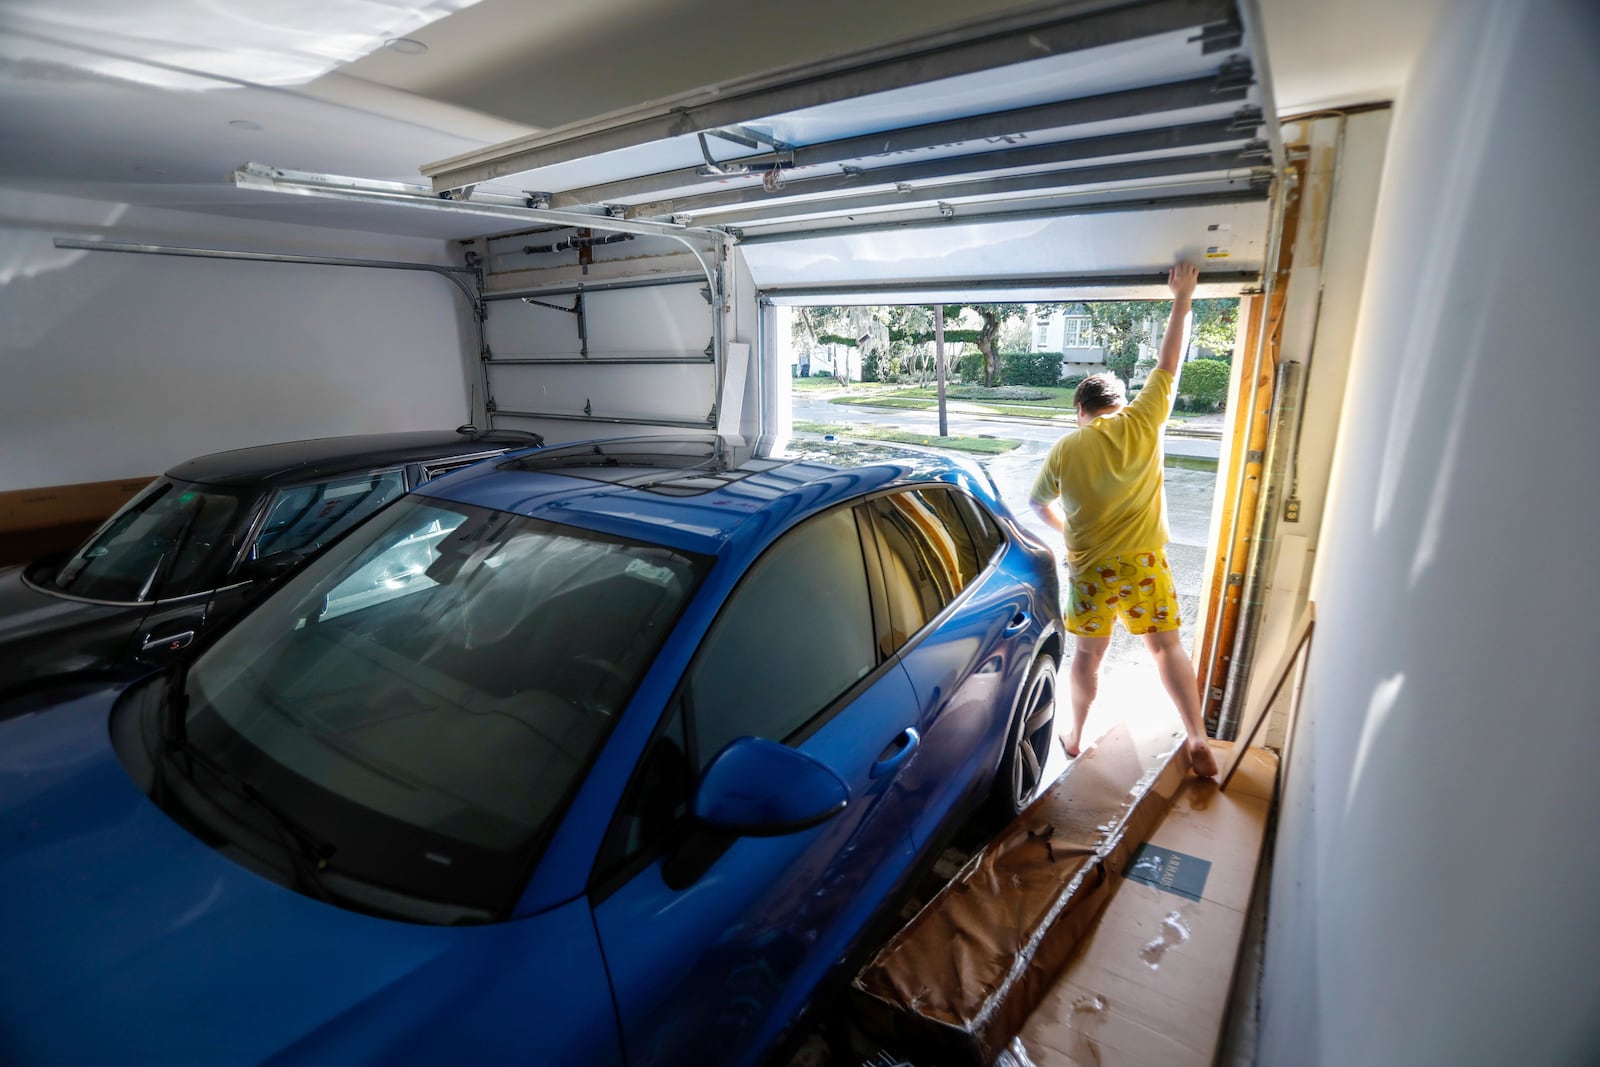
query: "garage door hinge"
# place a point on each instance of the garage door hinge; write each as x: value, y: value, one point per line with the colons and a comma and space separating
x: 1257, y: 150
x: 536, y: 200
x: 1260, y: 178
x: 946, y: 211
x: 1247, y: 118
x: 711, y: 419
x: 1236, y: 73
x: 588, y: 409
x: 487, y: 355
x: 1216, y: 692
x: 705, y: 291
x: 736, y: 232
x: 1220, y: 36
x: 1235, y: 579
x: 463, y: 193
x: 490, y: 407
x: 711, y: 348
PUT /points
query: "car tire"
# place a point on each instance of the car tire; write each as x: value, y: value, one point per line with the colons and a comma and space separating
x: 1033, y: 730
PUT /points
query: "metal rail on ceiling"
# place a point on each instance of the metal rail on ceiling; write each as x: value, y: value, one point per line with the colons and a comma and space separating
x: 1060, y: 181
x: 962, y: 215
x: 799, y: 190
x: 1147, y: 100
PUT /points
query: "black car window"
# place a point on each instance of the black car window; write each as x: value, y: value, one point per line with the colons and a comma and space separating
x: 794, y: 636
x: 429, y: 692
x: 306, y: 517
x: 657, y: 798
x: 203, y: 547
x: 167, y: 529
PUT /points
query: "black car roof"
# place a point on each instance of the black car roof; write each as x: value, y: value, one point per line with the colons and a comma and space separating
x: 332, y: 455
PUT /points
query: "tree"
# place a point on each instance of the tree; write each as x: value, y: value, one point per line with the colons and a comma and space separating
x: 894, y: 340
x: 1204, y: 383
x: 1120, y: 327
x: 1214, y: 324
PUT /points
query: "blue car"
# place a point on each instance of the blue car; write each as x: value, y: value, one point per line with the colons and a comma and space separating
x: 599, y: 754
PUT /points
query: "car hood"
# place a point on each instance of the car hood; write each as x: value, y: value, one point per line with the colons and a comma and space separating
x: 132, y: 941
x: 28, y: 612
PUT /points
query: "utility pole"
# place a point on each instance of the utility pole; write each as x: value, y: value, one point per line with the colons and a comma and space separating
x: 938, y: 349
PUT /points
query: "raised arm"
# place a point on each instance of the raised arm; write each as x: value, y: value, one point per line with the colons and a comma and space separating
x: 1181, y: 280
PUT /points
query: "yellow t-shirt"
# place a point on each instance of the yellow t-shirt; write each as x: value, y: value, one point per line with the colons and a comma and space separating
x: 1108, y: 478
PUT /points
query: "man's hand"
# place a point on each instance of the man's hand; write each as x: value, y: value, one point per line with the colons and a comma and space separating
x: 1182, y: 278
x: 1051, y: 515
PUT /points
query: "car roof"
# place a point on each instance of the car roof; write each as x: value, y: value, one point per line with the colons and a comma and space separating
x: 292, y: 460
x: 693, y: 492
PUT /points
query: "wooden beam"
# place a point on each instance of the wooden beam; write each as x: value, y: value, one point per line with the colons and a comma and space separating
x: 1213, y: 668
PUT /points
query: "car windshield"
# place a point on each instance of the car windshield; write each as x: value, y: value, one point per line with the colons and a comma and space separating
x: 164, y: 542
x: 428, y: 693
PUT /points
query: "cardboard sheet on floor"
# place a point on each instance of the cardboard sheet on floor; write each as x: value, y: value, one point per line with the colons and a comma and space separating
x: 958, y: 981
x: 1150, y: 982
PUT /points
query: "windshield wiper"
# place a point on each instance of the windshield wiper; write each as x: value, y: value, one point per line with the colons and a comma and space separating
x: 308, y: 853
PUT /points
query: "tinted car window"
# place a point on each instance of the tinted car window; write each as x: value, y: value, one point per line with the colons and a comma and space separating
x: 657, y: 798
x: 985, y: 532
x: 795, y: 634
x: 167, y: 529
x: 919, y: 578
x: 948, y: 529
x: 306, y: 517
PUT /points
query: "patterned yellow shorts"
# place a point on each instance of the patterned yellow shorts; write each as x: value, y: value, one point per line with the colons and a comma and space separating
x: 1136, y: 588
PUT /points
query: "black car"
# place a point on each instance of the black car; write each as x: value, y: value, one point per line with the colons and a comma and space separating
x: 188, y: 551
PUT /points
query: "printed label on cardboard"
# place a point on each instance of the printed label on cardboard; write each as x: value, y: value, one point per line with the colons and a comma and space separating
x: 1169, y: 870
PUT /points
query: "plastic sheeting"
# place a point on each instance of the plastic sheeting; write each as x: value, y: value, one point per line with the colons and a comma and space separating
x: 960, y: 979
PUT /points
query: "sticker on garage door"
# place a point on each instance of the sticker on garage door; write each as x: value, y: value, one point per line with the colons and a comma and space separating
x: 1219, y: 240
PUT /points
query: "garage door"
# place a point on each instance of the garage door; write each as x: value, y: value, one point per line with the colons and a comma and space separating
x: 1067, y: 152
x: 1079, y: 146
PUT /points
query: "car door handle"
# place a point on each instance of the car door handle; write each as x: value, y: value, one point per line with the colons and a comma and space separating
x: 171, y: 642
x: 1019, y: 622
x: 907, y: 740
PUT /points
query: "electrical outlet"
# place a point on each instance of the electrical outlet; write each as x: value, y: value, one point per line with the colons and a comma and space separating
x: 1291, y: 510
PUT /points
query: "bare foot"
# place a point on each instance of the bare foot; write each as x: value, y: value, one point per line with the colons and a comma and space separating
x: 1201, y: 759
x: 1070, y: 747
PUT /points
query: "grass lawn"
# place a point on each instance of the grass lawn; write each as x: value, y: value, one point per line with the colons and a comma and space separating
x: 1060, y: 397
x: 988, y: 446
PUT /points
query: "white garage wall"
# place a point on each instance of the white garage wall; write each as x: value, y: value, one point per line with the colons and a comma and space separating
x: 1433, y: 894
x: 113, y: 366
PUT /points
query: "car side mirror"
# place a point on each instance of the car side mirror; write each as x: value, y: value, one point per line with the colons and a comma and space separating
x: 759, y: 788
x: 271, y: 567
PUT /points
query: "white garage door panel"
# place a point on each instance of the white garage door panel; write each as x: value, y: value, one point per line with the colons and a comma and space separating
x: 1039, y: 257
x: 681, y: 392
x: 659, y: 322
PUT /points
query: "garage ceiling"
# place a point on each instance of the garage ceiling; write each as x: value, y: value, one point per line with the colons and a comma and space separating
x: 136, y: 104
x: 1115, y: 135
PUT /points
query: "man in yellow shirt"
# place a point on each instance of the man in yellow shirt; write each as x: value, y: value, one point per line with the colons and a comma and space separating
x: 1102, y: 488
